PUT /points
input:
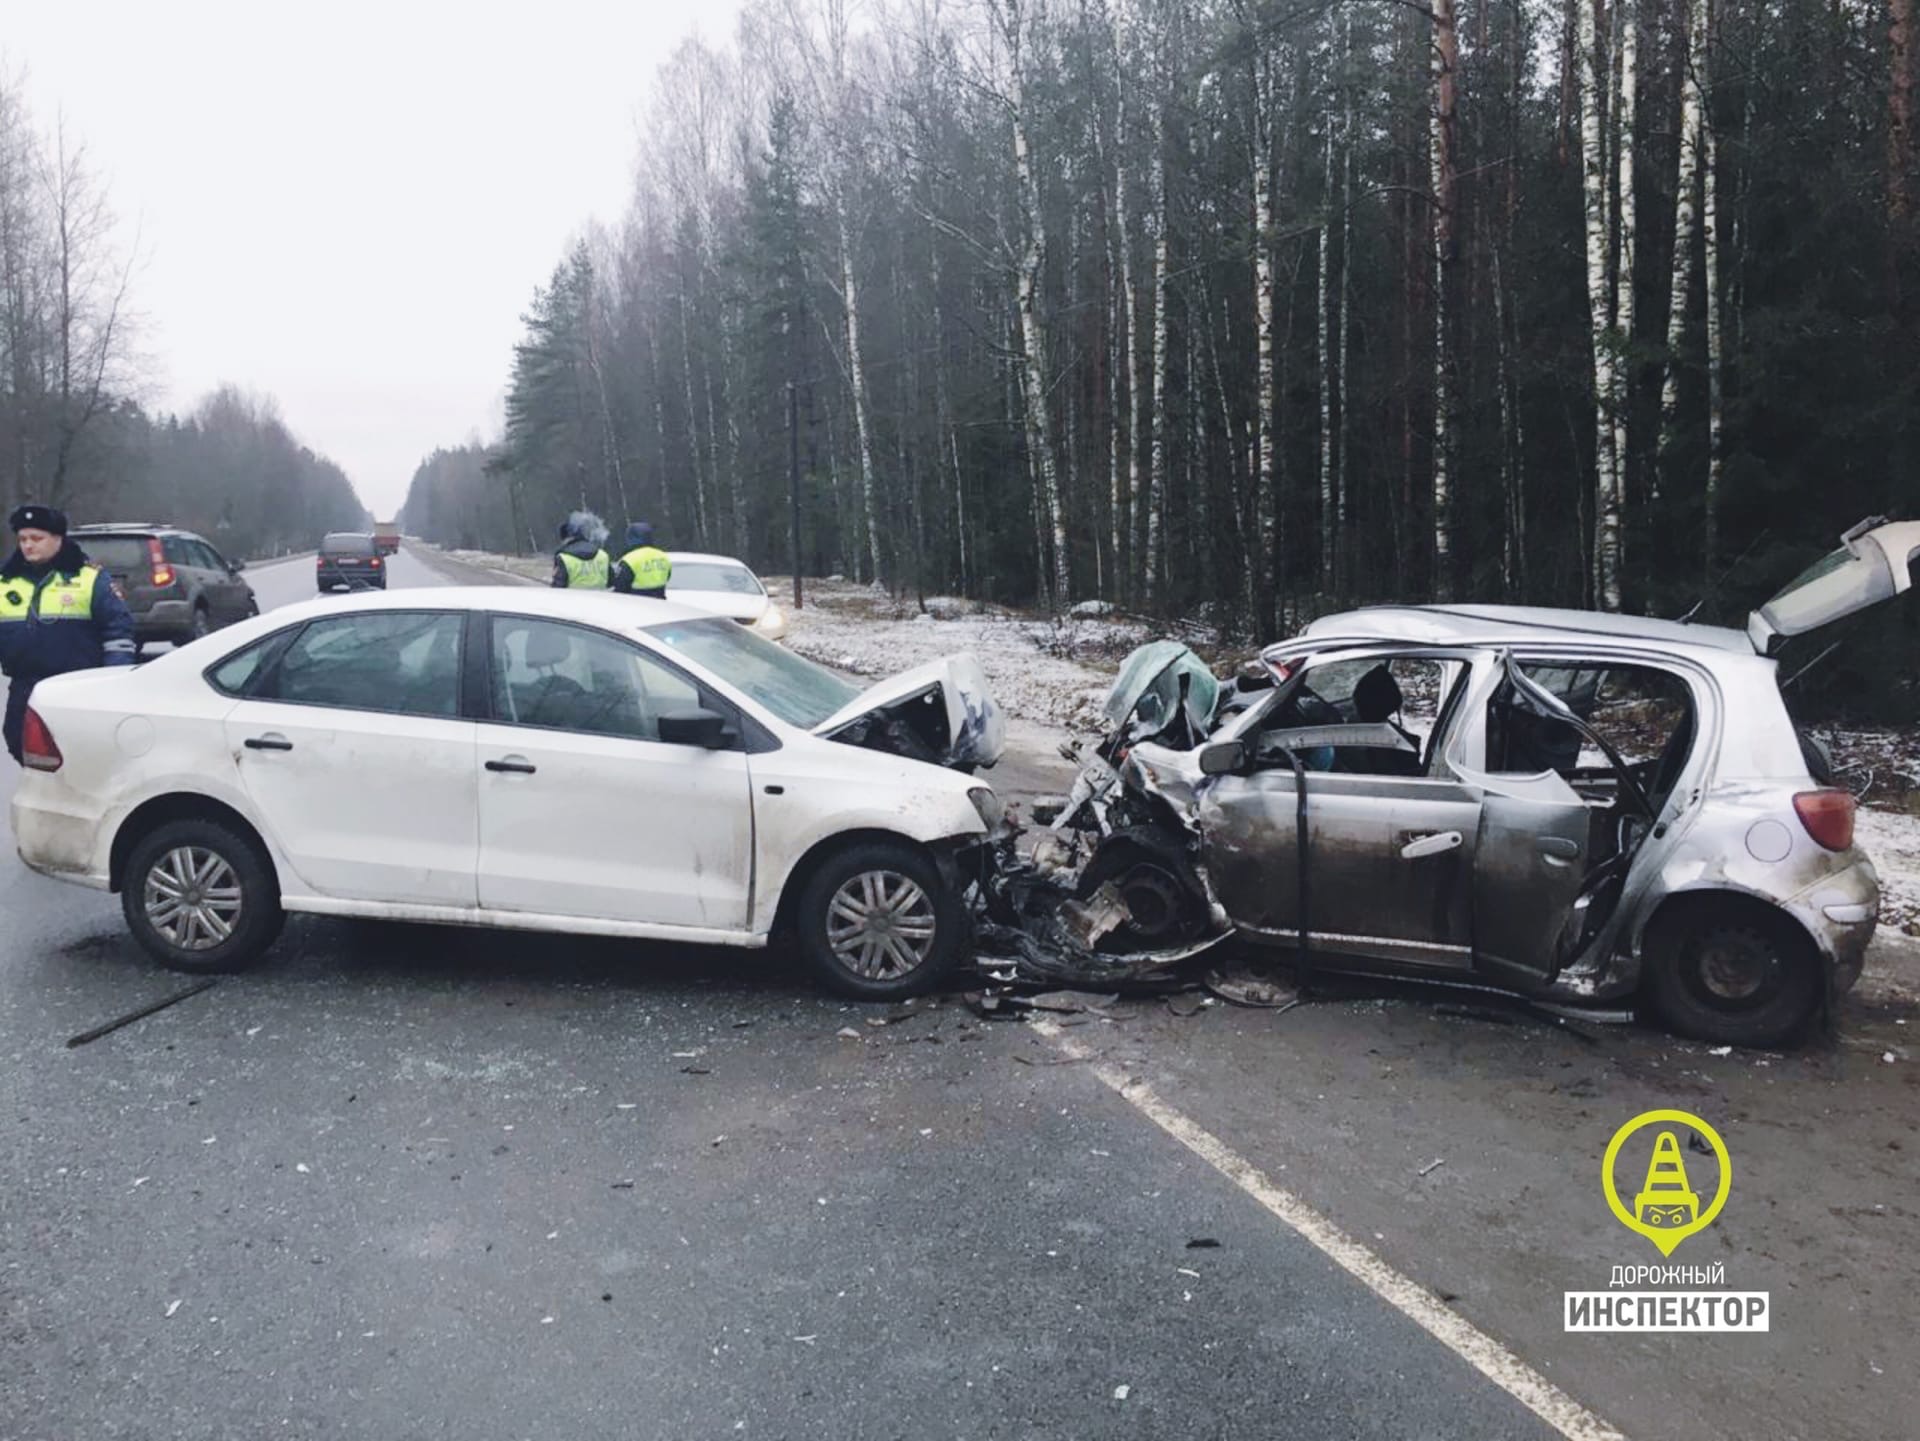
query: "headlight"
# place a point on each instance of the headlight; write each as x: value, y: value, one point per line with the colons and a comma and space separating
x: 772, y: 623
x: 989, y: 807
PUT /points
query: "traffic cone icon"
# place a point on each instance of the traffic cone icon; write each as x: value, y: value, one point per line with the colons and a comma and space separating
x: 1665, y: 1199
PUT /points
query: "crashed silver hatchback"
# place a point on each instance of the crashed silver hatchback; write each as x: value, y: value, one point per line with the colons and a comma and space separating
x: 1566, y: 804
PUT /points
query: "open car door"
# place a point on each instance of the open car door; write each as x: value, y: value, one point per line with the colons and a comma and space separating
x: 1874, y: 563
x: 1534, y: 876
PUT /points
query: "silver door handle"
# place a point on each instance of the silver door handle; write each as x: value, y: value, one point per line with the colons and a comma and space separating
x: 1432, y: 845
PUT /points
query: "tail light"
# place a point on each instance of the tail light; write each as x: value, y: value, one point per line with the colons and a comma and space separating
x: 1828, y: 817
x: 376, y: 562
x: 37, y: 750
x: 157, y: 558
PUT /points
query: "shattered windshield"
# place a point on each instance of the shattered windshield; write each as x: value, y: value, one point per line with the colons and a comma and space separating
x: 1151, y: 684
x: 796, y: 690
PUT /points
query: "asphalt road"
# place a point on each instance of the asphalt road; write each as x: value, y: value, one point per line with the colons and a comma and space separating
x: 417, y: 1182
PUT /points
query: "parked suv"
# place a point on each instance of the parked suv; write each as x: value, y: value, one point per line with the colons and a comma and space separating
x: 350, y: 559
x: 176, y: 584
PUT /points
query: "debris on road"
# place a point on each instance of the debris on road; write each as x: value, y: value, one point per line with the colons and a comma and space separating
x: 1120, y: 1393
x: 172, y: 1306
x: 131, y: 1016
x: 847, y: 1033
x: 1203, y: 1243
x: 1432, y: 1166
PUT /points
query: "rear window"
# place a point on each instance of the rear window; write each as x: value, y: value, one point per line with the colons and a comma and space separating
x: 714, y: 575
x: 345, y: 544
x: 115, y: 552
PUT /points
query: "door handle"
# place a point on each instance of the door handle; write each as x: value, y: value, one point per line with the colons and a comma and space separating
x: 268, y: 743
x: 1438, y: 843
x: 1558, y: 850
x: 514, y: 765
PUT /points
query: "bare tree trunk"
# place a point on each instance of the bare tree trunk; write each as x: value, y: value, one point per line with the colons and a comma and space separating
x: 659, y: 426
x: 1710, y: 187
x: 1900, y: 68
x: 1628, y: 15
x: 1686, y: 229
x: 1341, y: 452
x: 1265, y: 549
x: 1593, y: 150
x: 693, y: 425
x: 1033, y: 334
x: 1136, y: 394
x: 1446, y: 60
x: 857, y: 380
x: 1324, y: 343
x: 1150, y: 548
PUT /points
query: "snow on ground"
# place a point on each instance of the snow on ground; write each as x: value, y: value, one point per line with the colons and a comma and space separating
x: 1047, y: 672
x: 1892, y: 840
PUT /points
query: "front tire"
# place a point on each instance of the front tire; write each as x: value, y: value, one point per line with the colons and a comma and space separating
x: 877, y: 922
x: 1733, y: 975
x: 200, y: 898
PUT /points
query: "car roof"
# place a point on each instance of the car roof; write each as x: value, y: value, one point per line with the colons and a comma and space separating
x: 140, y: 526
x: 715, y: 559
x: 1518, y: 624
x: 603, y: 608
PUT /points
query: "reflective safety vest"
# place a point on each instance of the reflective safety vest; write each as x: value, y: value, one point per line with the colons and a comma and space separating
x: 586, y: 574
x: 57, y: 597
x: 650, y: 566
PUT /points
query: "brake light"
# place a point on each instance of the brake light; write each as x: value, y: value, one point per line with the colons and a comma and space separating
x: 37, y: 750
x: 376, y: 562
x: 1828, y: 817
x: 157, y: 558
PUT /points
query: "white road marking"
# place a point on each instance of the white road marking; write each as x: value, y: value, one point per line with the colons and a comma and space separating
x: 1435, y: 1317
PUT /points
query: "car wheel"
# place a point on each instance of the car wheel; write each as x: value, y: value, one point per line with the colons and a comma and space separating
x: 199, y: 897
x: 200, y: 625
x: 1734, y: 975
x: 1165, y: 905
x: 253, y: 606
x: 877, y: 922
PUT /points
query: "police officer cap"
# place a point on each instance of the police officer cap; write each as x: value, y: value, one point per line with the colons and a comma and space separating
x: 38, y: 517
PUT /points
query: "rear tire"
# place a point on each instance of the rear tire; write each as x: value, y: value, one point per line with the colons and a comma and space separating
x: 201, y: 624
x: 1733, y: 974
x: 200, y: 897
x: 877, y: 922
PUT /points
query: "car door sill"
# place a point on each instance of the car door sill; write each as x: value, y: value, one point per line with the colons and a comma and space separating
x: 519, y: 921
x: 1432, y: 955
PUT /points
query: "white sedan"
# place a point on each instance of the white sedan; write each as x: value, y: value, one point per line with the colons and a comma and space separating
x: 549, y: 760
x: 721, y: 585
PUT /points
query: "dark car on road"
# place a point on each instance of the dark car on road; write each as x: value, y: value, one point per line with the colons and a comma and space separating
x: 176, y: 584
x: 350, y: 560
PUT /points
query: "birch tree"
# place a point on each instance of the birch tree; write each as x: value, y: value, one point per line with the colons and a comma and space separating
x: 1686, y: 236
x: 1593, y: 154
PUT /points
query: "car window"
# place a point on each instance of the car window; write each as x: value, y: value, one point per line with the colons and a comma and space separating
x: 1404, y: 692
x: 179, y: 552
x: 566, y: 677
x: 793, y: 688
x: 122, y: 553
x: 209, y: 557
x: 405, y: 663
x: 1643, y: 712
x: 241, y: 672
x: 714, y: 575
x: 345, y: 543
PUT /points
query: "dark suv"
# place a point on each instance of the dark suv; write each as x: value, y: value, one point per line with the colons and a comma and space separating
x: 352, y: 560
x: 176, y: 584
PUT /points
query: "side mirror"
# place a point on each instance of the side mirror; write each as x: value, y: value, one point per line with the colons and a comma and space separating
x: 1222, y: 758
x: 703, y: 728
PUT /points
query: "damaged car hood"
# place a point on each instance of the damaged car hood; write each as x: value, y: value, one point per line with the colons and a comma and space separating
x: 938, y: 712
x: 1155, y: 682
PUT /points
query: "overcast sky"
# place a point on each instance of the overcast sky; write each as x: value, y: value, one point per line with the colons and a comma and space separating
x: 347, y: 205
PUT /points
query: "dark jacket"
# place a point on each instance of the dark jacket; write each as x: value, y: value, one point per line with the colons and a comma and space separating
x: 580, y: 550
x: 37, y: 647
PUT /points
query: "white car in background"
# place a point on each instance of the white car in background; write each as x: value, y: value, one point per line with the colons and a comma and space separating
x: 550, y: 760
x: 721, y: 585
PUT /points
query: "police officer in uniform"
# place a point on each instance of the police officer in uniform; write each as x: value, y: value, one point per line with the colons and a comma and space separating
x: 58, y: 612
x: 645, y: 568
x: 579, y: 564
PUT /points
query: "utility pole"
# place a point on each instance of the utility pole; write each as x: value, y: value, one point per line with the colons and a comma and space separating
x: 793, y: 482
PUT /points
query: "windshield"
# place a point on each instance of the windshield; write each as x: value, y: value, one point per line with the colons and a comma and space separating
x: 115, y: 552
x: 798, y: 691
x: 714, y: 575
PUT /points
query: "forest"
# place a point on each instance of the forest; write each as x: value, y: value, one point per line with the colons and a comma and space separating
x: 73, y: 430
x: 1243, y: 309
